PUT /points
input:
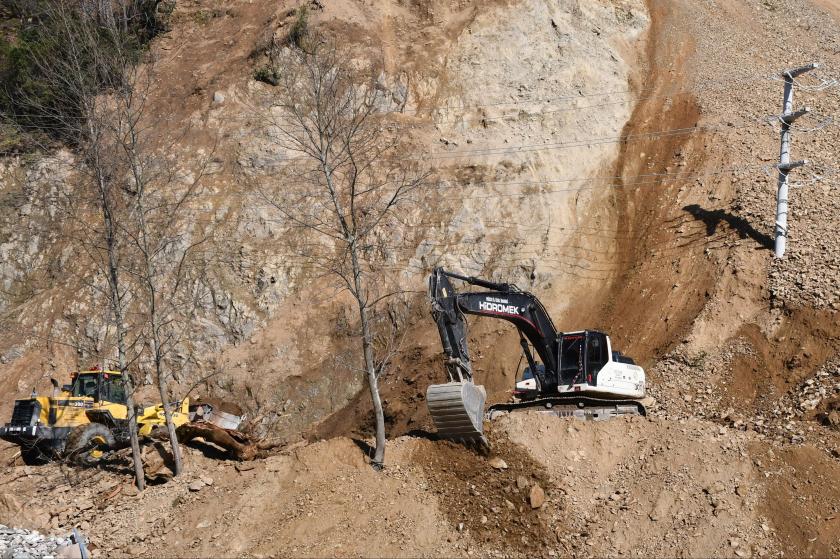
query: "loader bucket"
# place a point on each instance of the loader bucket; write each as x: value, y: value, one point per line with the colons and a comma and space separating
x: 457, y: 409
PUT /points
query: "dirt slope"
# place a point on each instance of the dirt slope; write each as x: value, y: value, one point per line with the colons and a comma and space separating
x: 621, y: 488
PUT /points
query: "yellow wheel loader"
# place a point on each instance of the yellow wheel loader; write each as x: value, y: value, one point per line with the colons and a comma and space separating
x: 82, y: 420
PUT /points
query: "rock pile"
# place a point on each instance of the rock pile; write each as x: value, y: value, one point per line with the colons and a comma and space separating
x: 815, y: 402
x: 25, y: 544
x: 685, y: 384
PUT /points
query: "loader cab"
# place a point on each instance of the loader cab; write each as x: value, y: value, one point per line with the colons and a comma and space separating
x: 85, y: 385
x: 112, y: 388
x: 104, y: 386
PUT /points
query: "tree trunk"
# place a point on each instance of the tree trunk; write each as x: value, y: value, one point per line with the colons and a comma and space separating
x: 116, y: 304
x: 373, y: 385
x: 370, y: 366
x: 139, y: 476
x: 154, y: 318
x: 157, y: 352
x: 233, y: 441
x: 167, y: 413
x: 156, y: 348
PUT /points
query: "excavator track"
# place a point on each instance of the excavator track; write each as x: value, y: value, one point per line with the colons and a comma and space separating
x: 578, y: 407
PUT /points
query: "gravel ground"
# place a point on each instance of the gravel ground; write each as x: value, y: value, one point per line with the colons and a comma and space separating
x: 25, y: 544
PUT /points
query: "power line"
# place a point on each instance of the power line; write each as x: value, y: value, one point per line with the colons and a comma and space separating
x: 721, y: 81
x: 257, y: 200
x: 550, y: 146
x: 617, y: 181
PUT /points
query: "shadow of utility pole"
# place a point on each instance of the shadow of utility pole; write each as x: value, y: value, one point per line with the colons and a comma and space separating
x: 713, y: 218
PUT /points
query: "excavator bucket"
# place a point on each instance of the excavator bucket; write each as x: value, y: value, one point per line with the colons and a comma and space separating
x: 457, y: 408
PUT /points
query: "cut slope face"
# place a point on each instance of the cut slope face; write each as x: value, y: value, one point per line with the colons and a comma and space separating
x: 496, y: 94
x: 527, y: 103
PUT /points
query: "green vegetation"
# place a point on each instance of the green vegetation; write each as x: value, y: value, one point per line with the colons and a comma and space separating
x: 300, y: 28
x: 267, y: 74
x: 203, y: 17
x: 35, y: 106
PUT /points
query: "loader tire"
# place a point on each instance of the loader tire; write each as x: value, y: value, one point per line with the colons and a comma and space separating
x: 87, y: 444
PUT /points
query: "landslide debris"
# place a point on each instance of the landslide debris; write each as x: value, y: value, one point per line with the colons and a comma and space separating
x: 17, y: 543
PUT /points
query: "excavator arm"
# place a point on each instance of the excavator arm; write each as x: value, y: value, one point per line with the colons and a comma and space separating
x: 457, y: 406
x: 451, y: 326
x: 505, y: 302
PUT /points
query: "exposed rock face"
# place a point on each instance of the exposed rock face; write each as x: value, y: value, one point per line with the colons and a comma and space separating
x: 497, y: 78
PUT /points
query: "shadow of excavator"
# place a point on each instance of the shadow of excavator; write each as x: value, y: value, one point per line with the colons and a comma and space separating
x: 713, y: 218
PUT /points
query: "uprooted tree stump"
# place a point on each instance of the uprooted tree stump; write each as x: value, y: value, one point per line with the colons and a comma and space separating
x: 242, y: 446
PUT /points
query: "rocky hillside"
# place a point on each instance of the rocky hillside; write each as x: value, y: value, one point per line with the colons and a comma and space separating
x: 614, y: 157
x: 483, y: 116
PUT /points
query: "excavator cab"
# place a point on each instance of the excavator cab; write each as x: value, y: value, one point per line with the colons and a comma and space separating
x: 588, y: 364
x: 582, y: 356
x: 571, y: 357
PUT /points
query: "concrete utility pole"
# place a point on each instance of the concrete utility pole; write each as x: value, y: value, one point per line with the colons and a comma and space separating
x: 787, y: 118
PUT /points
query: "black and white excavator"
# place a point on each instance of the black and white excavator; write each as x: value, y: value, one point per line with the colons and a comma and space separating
x: 578, y: 373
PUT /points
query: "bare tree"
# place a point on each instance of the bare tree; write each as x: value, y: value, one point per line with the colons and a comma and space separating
x: 89, y: 69
x: 156, y: 225
x: 163, y: 243
x: 96, y: 102
x: 345, y: 187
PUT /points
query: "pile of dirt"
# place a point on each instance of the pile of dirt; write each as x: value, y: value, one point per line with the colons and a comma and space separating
x: 549, y: 486
x: 506, y: 501
x: 802, y: 498
x: 649, y: 487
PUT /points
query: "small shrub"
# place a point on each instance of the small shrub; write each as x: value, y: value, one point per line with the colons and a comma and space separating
x: 266, y: 74
x: 203, y: 17
x: 262, y: 46
x: 300, y: 28
x: 11, y: 140
x: 698, y: 361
